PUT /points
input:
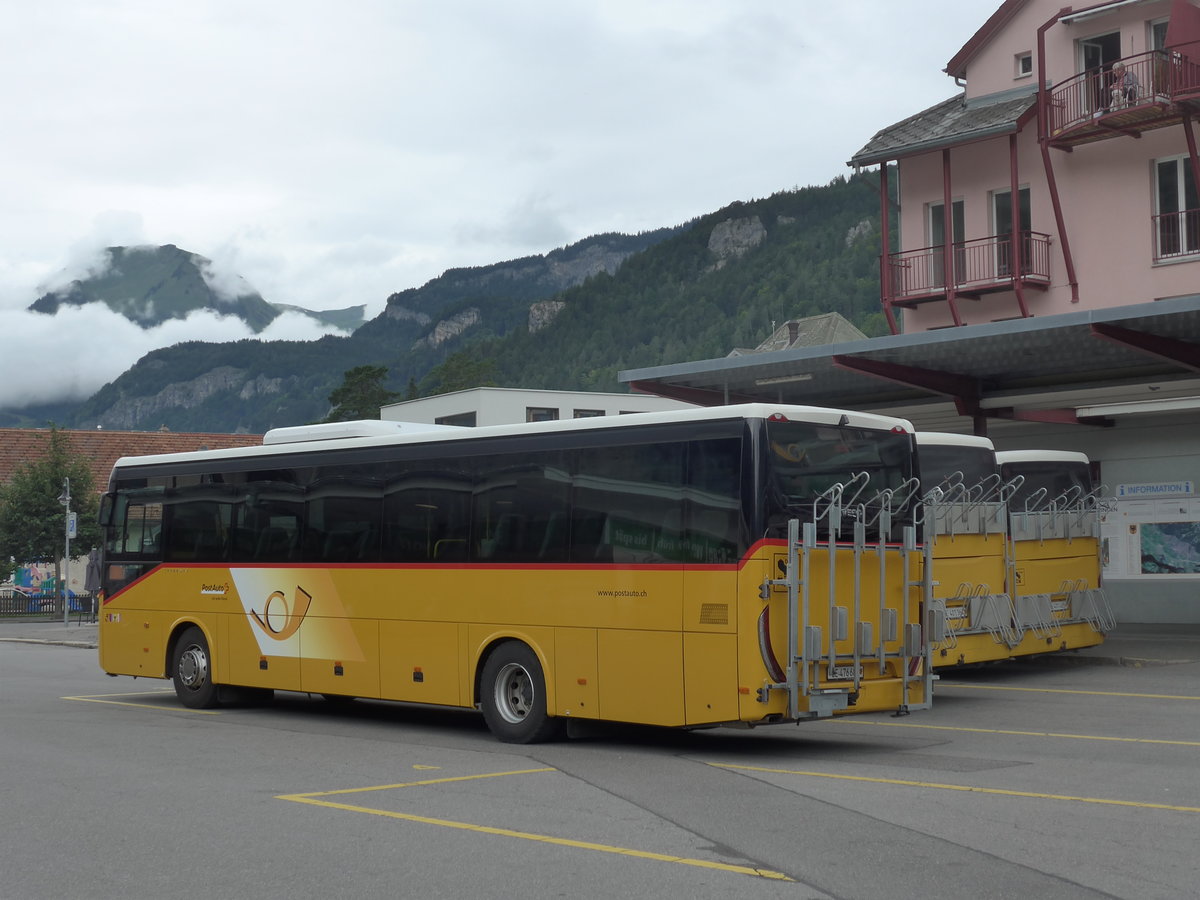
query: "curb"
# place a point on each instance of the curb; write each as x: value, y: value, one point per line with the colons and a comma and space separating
x: 1132, y: 662
x: 1138, y: 663
x: 82, y: 645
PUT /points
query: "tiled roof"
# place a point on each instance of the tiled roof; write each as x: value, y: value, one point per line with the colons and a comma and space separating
x: 815, y: 331
x: 946, y: 124
x: 103, y: 448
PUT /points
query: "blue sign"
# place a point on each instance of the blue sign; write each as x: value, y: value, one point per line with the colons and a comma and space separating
x: 1155, y: 491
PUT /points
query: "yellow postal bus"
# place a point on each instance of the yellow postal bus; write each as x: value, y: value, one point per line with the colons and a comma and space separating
x: 966, y: 527
x: 739, y: 565
x: 1058, y: 603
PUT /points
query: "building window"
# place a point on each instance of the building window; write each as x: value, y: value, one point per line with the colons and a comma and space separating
x: 1023, y: 65
x: 541, y: 414
x: 1158, y: 34
x: 936, y: 259
x: 1177, y: 210
x: 588, y: 413
x: 1002, y: 228
x: 467, y: 418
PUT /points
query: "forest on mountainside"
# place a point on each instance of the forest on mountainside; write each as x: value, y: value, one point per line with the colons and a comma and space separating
x: 673, y: 304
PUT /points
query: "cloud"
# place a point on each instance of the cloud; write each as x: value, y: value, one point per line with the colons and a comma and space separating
x: 534, y: 221
x: 294, y: 326
x: 75, y: 352
x: 226, y: 284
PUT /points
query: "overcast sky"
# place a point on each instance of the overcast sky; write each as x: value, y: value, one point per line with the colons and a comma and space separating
x: 333, y: 153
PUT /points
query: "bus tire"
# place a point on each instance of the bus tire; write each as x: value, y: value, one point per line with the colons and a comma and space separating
x: 513, y: 696
x: 191, y: 670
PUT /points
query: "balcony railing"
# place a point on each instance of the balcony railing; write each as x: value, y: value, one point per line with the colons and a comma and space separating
x: 1140, y: 95
x: 1176, y: 234
x: 978, y: 266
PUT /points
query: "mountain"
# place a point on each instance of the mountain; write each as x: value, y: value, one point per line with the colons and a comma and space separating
x: 725, y: 282
x: 569, y: 319
x: 254, y: 385
x: 149, y: 285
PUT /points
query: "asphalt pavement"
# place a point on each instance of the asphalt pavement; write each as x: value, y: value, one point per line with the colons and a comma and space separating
x: 1129, y: 644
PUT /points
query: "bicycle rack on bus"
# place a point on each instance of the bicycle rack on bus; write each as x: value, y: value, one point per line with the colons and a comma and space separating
x: 979, y: 509
x: 1070, y: 515
x: 809, y: 651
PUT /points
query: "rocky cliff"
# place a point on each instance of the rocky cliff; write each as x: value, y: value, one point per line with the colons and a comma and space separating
x: 132, y: 413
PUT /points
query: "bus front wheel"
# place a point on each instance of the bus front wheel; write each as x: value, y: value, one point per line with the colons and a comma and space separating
x: 513, y: 696
x: 191, y: 670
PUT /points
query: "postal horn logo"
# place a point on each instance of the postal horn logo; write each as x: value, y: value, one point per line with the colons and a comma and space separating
x: 280, y: 617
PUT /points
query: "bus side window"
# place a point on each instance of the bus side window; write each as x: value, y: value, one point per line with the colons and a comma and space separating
x: 716, y: 530
x: 624, y: 498
x: 141, y: 530
x: 342, y: 525
x: 520, y: 508
x: 198, y: 530
x: 425, y: 516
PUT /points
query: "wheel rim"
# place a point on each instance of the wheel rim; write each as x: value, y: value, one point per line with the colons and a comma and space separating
x: 193, y: 668
x: 514, y: 693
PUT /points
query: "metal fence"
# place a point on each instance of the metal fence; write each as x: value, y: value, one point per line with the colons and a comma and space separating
x: 25, y: 604
x: 1176, y: 234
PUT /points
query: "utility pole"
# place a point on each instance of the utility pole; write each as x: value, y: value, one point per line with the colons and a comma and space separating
x: 65, y: 499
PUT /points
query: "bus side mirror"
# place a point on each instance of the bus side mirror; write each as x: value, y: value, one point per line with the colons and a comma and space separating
x: 106, y: 510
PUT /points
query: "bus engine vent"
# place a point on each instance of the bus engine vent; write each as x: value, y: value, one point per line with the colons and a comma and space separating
x: 714, y: 613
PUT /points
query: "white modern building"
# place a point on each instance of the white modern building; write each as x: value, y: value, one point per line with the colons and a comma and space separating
x: 505, y: 406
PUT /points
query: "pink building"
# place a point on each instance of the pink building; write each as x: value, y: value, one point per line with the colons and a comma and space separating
x: 1075, y: 124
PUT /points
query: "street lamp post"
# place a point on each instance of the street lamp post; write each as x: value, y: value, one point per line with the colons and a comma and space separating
x: 65, y: 499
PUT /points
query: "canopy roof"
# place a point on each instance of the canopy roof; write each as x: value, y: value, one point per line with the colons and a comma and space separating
x: 1040, y: 368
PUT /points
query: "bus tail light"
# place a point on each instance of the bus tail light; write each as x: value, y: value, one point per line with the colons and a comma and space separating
x: 764, y: 646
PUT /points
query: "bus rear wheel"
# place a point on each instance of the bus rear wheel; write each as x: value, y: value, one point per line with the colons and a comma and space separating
x: 191, y: 670
x: 513, y: 696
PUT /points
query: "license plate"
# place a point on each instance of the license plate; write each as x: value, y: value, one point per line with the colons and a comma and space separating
x: 843, y: 673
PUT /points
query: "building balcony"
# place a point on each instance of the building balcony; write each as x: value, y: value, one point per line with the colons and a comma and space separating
x: 1177, y: 235
x: 977, y: 267
x: 1154, y: 90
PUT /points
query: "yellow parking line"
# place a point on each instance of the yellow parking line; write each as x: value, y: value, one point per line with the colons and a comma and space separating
x: 311, y: 798
x: 961, y: 787
x: 998, y: 687
x: 103, y: 698
x: 404, y: 784
x: 1046, y: 734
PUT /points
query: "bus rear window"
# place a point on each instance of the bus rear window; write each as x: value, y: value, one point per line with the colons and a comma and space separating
x: 805, y: 461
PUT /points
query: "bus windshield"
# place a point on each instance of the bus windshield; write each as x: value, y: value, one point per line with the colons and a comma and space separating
x: 805, y: 461
x: 942, y: 465
x: 1047, y: 481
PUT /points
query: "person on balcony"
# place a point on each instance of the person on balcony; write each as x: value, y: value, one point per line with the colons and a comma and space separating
x: 1124, y: 87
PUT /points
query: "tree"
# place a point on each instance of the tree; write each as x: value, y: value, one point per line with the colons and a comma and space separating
x: 32, y: 520
x: 360, y: 394
x: 461, y: 371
